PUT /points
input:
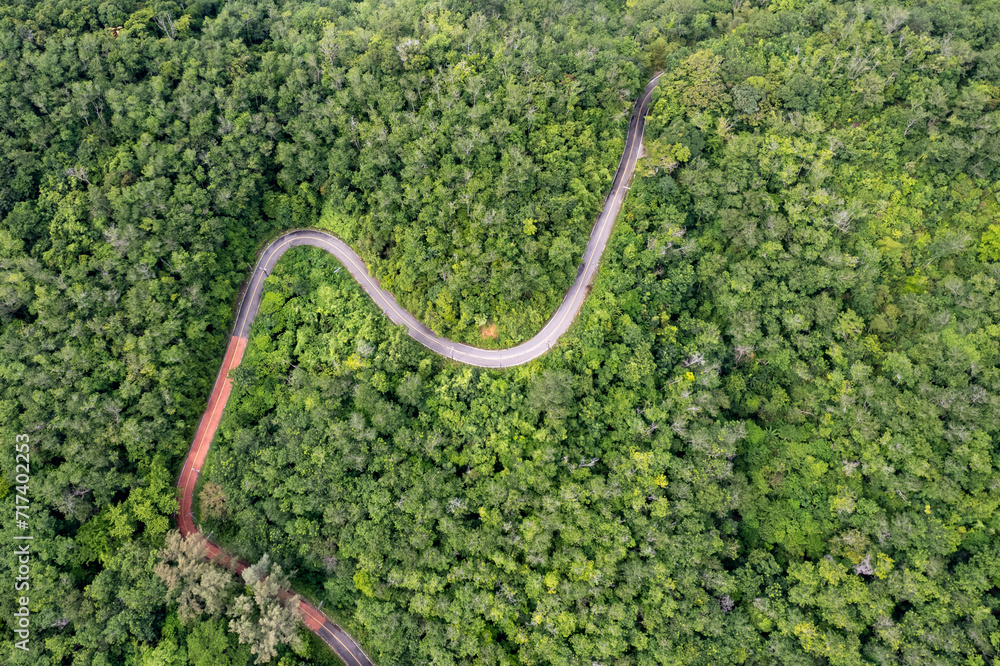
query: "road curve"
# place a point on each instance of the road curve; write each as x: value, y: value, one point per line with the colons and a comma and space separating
x: 338, y: 640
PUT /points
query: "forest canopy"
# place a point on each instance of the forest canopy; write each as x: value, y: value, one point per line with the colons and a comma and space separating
x: 770, y: 437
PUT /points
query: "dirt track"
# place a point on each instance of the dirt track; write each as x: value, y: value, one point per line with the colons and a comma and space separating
x: 345, y: 647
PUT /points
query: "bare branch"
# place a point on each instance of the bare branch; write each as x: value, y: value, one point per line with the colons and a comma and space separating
x: 166, y: 23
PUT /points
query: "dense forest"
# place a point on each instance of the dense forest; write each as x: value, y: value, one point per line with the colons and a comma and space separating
x: 770, y: 437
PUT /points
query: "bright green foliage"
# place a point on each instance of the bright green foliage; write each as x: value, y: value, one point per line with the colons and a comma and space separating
x: 989, y: 248
x: 149, y: 148
x: 465, y: 145
x: 770, y: 438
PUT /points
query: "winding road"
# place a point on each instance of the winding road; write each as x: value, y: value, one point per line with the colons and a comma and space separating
x: 341, y: 643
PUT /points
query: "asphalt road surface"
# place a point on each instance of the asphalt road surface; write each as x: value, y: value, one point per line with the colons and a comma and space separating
x: 338, y: 640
